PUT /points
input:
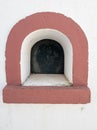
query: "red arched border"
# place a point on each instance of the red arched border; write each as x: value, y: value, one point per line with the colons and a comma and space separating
x: 53, y: 21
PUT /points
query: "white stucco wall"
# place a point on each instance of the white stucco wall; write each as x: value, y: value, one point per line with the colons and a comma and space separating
x: 50, y: 117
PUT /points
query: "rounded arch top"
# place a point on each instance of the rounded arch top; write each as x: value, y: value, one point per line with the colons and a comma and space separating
x: 48, y: 20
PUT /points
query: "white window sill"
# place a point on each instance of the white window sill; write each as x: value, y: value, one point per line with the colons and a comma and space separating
x: 47, y: 80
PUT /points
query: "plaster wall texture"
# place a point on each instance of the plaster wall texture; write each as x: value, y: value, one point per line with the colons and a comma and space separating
x: 50, y: 116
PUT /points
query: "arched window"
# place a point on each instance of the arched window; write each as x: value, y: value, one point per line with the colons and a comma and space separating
x: 23, y: 36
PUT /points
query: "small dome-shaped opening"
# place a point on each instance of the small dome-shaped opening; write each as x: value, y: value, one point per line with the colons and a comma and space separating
x: 47, y: 57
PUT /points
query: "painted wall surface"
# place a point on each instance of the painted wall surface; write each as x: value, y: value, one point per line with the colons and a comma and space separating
x: 47, y: 116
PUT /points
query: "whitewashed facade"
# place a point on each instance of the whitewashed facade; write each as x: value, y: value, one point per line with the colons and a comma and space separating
x: 50, y: 116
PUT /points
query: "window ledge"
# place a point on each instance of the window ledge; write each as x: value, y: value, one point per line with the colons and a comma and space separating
x: 46, y: 94
x: 47, y: 80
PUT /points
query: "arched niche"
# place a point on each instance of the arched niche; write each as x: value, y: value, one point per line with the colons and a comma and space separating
x: 78, y: 93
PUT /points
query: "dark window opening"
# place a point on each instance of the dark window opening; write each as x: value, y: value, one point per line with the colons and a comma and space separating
x: 47, y: 57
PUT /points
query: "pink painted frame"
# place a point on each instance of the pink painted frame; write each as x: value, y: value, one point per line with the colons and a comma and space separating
x: 14, y: 92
